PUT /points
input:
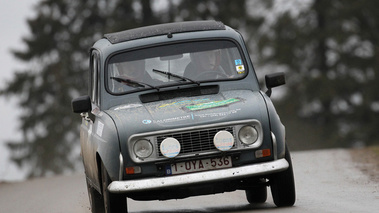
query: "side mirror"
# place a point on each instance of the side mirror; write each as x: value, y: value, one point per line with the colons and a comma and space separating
x: 274, y: 80
x: 81, y: 104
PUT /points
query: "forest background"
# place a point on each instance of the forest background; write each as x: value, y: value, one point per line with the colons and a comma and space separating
x: 327, y: 48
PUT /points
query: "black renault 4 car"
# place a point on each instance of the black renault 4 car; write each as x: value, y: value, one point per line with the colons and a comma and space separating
x: 176, y: 110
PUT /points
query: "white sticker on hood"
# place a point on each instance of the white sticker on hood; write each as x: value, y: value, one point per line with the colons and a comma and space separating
x: 129, y: 106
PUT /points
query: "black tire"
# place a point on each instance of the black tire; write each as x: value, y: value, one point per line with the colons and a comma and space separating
x: 95, y: 199
x: 283, y: 185
x: 257, y: 195
x: 112, y: 202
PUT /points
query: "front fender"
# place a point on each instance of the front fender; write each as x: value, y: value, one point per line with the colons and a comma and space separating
x: 276, y: 126
x: 108, y: 149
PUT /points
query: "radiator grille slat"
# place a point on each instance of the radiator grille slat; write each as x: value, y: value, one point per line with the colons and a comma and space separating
x: 194, y: 141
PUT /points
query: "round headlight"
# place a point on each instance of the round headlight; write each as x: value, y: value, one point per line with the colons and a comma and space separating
x: 170, y: 147
x: 143, y: 148
x: 248, y: 135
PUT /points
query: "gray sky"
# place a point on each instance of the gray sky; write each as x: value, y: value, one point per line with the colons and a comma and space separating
x: 13, y: 27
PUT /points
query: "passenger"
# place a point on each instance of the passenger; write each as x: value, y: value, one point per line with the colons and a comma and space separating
x: 134, y: 71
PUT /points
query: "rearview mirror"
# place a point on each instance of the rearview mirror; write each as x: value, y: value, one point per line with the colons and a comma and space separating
x: 274, y: 80
x: 81, y: 104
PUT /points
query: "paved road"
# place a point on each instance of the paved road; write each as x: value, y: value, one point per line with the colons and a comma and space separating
x: 326, y: 181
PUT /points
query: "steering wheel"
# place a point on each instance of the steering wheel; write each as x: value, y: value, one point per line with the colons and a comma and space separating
x: 208, y: 75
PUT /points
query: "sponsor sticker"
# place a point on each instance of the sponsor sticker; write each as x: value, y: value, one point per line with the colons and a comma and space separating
x: 129, y: 106
x: 183, y: 102
x: 238, y: 62
x: 146, y: 121
x: 240, y: 69
x: 174, y: 119
x: 212, y: 104
x: 217, y: 114
x: 100, y: 127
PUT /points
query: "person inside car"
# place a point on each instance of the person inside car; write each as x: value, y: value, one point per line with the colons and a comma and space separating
x: 132, y: 74
x: 204, y: 64
x: 133, y: 70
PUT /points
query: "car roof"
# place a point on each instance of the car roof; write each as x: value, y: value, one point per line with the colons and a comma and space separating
x: 162, y: 29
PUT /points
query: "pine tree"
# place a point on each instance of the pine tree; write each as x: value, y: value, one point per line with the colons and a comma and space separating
x: 57, y: 49
x: 330, y: 52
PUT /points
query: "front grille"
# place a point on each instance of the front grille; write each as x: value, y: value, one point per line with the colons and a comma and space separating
x: 195, y: 141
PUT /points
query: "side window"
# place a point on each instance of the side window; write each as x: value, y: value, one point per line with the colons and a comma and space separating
x: 94, y: 78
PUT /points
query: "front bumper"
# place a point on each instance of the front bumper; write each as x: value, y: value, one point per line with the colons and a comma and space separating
x: 129, y: 186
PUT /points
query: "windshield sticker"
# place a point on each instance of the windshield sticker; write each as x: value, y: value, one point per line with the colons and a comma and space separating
x: 212, y: 104
x: 183, y: 102
x: 240, y: 69
x: 238, y: 62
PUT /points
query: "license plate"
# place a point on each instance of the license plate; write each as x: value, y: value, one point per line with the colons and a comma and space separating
x: 199, y: 165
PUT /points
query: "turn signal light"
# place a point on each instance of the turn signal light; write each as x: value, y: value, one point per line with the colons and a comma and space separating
x: 262, y: 153
x: 133, y: 170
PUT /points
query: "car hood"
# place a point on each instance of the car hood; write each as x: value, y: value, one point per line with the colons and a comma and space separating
x: 188, y: 111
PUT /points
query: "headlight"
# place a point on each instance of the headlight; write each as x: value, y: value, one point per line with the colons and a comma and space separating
x: 248, y: 135
x: 170, y: 147
x: 143, y: 148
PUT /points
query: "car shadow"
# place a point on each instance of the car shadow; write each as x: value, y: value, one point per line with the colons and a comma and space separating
x: 230, y: 208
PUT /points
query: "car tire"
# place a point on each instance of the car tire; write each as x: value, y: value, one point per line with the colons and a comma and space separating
x: 257, y: 195
x: 112, y: 202
x: 95, y: 199
x: 283, y: 185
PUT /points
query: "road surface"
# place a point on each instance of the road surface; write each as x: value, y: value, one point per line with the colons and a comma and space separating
x: 326, y: 181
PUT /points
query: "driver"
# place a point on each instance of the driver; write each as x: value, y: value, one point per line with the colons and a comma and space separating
x: 203, y: 62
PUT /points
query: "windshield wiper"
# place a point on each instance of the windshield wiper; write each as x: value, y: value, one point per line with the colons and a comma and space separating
x: 176, y: 76
x: 133, y: 83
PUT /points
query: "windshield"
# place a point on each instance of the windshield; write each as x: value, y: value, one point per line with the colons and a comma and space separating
x: 183, y: 63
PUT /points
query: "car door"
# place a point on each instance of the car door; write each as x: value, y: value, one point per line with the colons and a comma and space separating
x: 87, y: 138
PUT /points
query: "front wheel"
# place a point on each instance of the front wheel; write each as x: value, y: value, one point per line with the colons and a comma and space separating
x: 283, y: 185
x: 112, y: 202
x: 256, y: 195
x: 95, y: 199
